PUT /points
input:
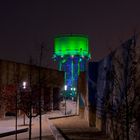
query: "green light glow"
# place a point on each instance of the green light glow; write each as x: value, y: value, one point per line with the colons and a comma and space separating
x: 60, y: 65
x: 71, y: 45
x: 72, y: 71
x: 78, y: 68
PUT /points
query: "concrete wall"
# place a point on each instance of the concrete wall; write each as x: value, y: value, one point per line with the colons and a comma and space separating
x: 109, y: 93
x: 82, y: 92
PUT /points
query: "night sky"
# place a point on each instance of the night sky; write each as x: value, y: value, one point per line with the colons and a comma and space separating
x: 25, y: 24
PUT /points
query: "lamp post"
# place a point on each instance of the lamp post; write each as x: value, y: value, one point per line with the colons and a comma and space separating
x: 76, y: 98
x: 24, y: 86
x: 16, y: 118
x: 65, y: 89
x: 77, y: 101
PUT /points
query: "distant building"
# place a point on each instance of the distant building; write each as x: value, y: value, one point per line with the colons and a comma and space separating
x: 19, y: 79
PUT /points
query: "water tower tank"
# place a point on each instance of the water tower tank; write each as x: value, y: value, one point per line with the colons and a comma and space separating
x: 72, y: 53
x: 71, y: 45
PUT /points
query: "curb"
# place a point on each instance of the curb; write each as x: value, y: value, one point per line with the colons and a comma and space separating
x: 13, y: 132
x: 55, y: 131
x: 63, y: 116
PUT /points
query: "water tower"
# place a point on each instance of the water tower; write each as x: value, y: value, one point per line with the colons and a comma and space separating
x: 72, y: 53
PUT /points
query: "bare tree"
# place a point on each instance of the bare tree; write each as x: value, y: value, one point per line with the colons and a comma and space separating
x: 123, y: 96
x: 29, y: 99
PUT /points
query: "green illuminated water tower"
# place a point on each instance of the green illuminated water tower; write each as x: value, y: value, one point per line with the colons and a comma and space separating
x: 72, y: 53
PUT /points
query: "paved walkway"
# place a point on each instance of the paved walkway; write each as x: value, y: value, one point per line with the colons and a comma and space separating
x: 71, y: 128
x: 46, y: 133
x: 75, y: 128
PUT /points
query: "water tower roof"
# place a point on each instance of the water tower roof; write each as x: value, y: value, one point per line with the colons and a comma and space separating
x: 73, y: 45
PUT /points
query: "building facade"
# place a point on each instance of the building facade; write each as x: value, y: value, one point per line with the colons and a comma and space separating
x: 17, y: 79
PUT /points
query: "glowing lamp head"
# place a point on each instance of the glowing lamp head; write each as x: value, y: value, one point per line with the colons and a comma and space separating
x: 65, y: 87
x: 24, y: 84
x: 72, y: 56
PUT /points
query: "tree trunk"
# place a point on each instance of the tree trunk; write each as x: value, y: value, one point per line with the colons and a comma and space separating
x: 30, y: 123
x: 24, y: 119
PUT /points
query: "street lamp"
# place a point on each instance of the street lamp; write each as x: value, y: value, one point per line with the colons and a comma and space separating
x: 73, y: 90
x: 75, y: 95
x: 24, y: 84
x: 65, y: 89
